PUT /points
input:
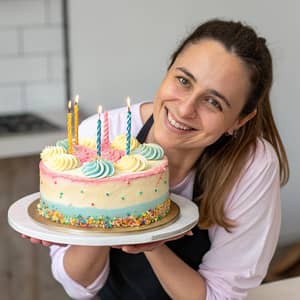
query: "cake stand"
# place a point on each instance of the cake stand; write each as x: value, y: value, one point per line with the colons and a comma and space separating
x: 20, y: 220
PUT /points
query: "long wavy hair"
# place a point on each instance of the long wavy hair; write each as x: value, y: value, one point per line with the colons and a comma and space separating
x: 221, y: 163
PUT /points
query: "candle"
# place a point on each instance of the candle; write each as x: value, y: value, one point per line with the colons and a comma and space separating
x: 128, y: 128
x: 99, y: 131
x: 105, y: 129
x: 69, y: 126
x: 76, y: 119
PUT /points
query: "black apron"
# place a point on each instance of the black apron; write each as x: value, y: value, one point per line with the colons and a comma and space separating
x: 131, y: 275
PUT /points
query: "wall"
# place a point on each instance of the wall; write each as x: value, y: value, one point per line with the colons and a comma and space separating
x: 31, y: 56
x: 121, y: 48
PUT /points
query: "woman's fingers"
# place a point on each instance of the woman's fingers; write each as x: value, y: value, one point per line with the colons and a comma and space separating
x: 42, y: 242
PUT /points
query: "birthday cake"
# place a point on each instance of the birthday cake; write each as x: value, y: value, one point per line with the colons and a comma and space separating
x: 114, y: 190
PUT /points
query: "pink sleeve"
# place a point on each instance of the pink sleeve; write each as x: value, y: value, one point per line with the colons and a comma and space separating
x: 72, y: 288
x: 238, y: 261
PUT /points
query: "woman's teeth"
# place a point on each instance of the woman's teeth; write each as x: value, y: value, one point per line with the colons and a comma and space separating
x: 177, y: 125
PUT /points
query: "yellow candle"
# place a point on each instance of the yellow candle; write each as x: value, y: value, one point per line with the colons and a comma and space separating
x: 70, y: 147
x: 76, y: 119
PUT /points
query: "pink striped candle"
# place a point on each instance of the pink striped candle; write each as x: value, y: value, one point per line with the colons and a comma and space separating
x: 105, y: 140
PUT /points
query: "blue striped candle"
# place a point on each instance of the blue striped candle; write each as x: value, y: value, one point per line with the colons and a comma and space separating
x: 98, y: 140
x: 128, y: 127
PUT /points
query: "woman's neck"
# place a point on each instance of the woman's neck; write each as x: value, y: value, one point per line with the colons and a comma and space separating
x: 180, y: 162
x: 180, y: 165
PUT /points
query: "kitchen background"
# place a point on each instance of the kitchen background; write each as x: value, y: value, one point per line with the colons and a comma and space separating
x: 51, y: 50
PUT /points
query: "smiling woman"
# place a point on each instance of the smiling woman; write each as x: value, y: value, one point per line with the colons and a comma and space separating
x: 213, y: 118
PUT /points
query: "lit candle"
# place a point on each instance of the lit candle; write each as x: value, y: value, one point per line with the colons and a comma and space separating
x: 128, y: 136
x: 99, y: 131
x: 69, y: 126
x: 76, y: 119
x: 105, y: 129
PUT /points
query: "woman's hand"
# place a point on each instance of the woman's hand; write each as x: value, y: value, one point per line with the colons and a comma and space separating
x: 139, y: 248
x: 41, y: 242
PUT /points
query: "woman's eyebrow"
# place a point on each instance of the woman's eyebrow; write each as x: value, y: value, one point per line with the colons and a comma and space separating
x: 211, y: 91
x: 222, y: 97
x: 187, y: 73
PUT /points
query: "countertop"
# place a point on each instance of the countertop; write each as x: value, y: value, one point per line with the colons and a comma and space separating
x: 15, y: 145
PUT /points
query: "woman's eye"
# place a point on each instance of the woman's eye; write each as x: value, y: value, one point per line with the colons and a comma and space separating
x: 183, y: 81
x: 214, y: 103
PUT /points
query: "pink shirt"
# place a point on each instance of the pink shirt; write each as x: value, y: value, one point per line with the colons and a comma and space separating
x: 236, y: 261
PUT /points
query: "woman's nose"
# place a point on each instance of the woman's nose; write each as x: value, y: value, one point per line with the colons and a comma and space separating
x: 188, y: 107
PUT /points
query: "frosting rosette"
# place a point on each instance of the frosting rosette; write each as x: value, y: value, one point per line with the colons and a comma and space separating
x: 88, y: 142
x: 150, y: 151
x: 63, y: 162
x: 51, y: 151
x: 120, y: 143
x: 98, y: 169
x: 63, y: 143
x: 131, y: 163
x: 112, y: 154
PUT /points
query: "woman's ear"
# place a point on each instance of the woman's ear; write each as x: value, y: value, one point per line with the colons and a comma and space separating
x: 240, y: 122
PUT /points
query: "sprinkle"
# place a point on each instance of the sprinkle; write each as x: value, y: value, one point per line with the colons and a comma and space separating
x: 146, y: 218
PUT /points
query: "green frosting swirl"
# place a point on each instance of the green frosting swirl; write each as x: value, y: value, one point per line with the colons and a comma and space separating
x: 98, y: 169
x: 63, y: 143
x: 150, y: 151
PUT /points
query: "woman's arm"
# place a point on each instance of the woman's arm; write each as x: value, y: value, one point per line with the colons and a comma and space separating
x: 178, y: 279
x: 84, y: 263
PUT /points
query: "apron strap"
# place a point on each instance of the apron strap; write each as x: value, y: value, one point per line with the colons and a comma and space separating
x: 142, y: 135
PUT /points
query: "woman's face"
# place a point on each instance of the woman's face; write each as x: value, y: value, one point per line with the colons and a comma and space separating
x: 200, y: 97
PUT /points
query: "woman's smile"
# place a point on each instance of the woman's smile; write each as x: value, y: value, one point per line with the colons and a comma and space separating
x: 174, y: 124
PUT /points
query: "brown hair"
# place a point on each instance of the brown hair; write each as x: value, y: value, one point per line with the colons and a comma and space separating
x: 221, y: 163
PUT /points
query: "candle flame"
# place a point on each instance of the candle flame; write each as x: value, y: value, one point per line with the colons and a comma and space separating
x: 76, y: 99
x: 69, y: 105
x: 128, y: 102
x: 100, y: 109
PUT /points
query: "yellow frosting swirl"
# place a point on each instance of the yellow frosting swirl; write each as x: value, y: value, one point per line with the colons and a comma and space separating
x: 88, y: 142
x: 63, y: 162
x: 131, y: 163
x: 51, y: 151
x: 120, y: 143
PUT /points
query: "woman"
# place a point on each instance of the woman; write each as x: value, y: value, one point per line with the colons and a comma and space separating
x: 212, y: 116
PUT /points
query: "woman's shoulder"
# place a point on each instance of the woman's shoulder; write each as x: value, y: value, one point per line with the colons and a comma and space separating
x: 264, y: 155
x: 258, y: 186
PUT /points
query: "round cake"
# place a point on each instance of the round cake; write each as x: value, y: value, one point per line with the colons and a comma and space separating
x: 113, y: 190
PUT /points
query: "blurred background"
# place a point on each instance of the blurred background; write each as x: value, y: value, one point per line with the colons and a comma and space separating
x: 51, y: 50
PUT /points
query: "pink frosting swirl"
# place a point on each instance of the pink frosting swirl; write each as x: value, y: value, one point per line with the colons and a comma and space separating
x: 112, y: 154
x: 84, y: 154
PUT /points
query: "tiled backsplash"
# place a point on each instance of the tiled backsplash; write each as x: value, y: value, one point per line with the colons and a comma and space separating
x: 31, y: 56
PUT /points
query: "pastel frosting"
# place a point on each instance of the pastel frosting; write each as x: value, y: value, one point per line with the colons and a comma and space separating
x: 131, y: 163
x: 51, y: 151
x: 63, y: 143
x: 150, y: 151
x: 88, y: 142
x: 98, y: 168
x: 120, y: 143
x: 63, y: 162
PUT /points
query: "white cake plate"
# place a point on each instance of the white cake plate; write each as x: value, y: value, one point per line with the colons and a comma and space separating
x: 20, y: 220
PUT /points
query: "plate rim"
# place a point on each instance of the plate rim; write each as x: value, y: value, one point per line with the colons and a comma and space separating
x: 21, y: 222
